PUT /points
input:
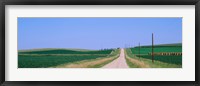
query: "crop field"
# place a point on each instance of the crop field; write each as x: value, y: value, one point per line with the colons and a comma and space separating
x: 146, y: 50
x: 170, y: 59
x: 49, y: 58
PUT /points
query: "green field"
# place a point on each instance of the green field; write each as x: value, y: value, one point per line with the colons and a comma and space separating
x: 168, y: 59
x: 171, y: 59
x: 146, y: 50
x: 49, y: 58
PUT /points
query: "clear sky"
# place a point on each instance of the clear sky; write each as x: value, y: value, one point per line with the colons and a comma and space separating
x: 96, y: 33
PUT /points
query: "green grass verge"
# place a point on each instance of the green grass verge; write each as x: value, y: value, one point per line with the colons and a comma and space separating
x: 159, y: 64
x: 131, y: 65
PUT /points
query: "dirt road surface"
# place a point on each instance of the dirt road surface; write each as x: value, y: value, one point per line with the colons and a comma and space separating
x: 119, y: 62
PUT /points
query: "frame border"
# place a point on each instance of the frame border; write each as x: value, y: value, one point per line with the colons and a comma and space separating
x: 3, y: 3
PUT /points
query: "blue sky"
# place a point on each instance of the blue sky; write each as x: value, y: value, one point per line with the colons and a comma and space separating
x: 96, y: 33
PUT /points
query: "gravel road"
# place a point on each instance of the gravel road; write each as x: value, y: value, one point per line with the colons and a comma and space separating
x: 120, y: 62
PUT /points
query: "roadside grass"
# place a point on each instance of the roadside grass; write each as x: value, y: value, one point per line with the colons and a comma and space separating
x: 93, y: 63
x: 159, y: 64
x: 156, y: 64
x: 134, y: 63
x: 130, y: 64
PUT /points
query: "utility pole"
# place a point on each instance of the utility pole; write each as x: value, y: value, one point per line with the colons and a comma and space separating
x: 134, y: 51
x: 139, y: 50
x: 152, y: 49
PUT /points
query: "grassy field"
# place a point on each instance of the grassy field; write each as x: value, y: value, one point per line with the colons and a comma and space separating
x: 49, y: 58
x: 160, y: 61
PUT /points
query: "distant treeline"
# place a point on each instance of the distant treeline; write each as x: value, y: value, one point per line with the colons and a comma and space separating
x: 64, y: 51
